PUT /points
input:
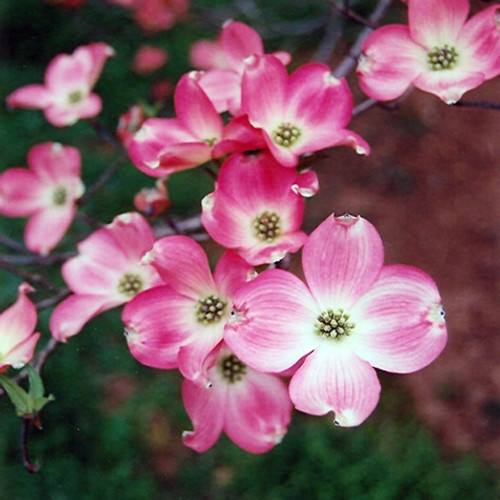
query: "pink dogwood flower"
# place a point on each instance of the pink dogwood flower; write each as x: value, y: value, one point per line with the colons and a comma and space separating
x: 301, y: 113
x: 67, y: 94
x: 440, y: 52
x: 46, y: 192
x: 354, y: 315
x: 163, y: 146
x: 107, y: 272
x: 224, y: 61
x: 177, y: 325
x: 252, y: 408
x: 254, y: 209
x: 17, y: 337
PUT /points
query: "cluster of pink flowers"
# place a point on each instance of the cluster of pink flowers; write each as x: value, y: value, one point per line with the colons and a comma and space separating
x: 237, y: 334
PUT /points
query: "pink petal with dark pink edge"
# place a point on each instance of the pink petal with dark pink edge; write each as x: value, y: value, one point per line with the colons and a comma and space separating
x: 449, y: 86
x: 436, y: 23
x: 21, y: 193
x: 263, y: 91
x: 231, y: 273
x: 46, y: 228
x: 272, y: 323
x: 182, y: 264
x: 480, y: 38
x: 195, y: 111
x: 241, y: 135
x: 176, y: 157
x: 66, y: 73
x: 222, y: 86
x: 238, y: 42
x: 152, y: 137
x: 306, y: 184
x: 70, y: 316
x: 53, y: 162
x: 158, y: 322
x: 400, y: 323
x: 193, y: 356
x: 226, y: 222
x: 34, y: 96
x: 18, y: 321
x: 317, y: 98
x: 333, y: 378
x: 341, y: 260
x: 258, y: 411
x: 389, y: 62
x: 206, y: 408
x: 21, y: 354
x: 99, y: 52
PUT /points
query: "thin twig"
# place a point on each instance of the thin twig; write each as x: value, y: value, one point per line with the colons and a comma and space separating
x: 34, y: 279
x: 478, y: 104
x: 348, y: 12
x: 30, y: 466
x: 349, y: 63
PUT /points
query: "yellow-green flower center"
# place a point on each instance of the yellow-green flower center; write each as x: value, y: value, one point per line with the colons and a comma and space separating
x: 75, y: 97
x: 267, y: 226
x: 333, y: 324
x: 59, y: 196
x: 210, y: 142
x: 232, y: 368
x: 210, y: 309
x: 130, y: 285
x: 286, y: 134
x: 440, y: 58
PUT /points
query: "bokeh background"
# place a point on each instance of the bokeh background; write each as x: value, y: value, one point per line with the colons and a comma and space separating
x: 432, y: 188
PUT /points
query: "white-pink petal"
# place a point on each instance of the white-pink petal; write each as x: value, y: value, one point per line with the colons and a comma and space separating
x: 334, y: 379
x: 400, y: 324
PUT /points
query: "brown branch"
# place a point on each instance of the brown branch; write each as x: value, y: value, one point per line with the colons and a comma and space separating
x: 478, y: 104
x: 30, y: 466
x: 349, y: 63
x: 348, y: 12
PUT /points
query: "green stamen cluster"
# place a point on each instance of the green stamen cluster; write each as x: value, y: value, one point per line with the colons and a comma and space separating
x: 440, y: 58
x: 333, y: 325
x: 232, y: 368
x: 59, y: 196
x: 286, y: 134
x: 75, y: 97
x: 267, y: 226
x: 210, y: 141
x: 130, y: 284
x: 211, y: 309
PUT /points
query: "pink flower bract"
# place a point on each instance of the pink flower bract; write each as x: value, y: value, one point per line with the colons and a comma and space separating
x: 46, y: 192
x: 17, y: 325
x: 353, y: 315
x: 66, y: 96
x: 107, y: 272
x: 253, y: 408
x: 440, y: 51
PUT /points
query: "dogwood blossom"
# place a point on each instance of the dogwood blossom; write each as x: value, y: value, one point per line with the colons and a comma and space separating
x: 301, y: 113
x: 440, y: 51
x: 67, y: 94
x: 107, y: 272
x: 252, y: 408
x: 224, y: 62
x: 178, y: 324
x: 46, y: 192
x: 17, y: 325
x: 166, y: 145
x: 354, y: 315
x: 254, y: 209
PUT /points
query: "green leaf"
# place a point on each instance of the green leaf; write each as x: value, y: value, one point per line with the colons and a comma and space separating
x: 19, y: 397
x: 36, y: 384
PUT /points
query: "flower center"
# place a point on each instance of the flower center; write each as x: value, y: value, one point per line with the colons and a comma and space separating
x: 75, y: 97
x: 267, y: 226
x: 232, y: 368
x: 333, y: 324
x: 211, y: 309
x: 445, y: 57
x: 286, y: 134
x: 210, y: 141
x: 130, y: 284
x: 59, y: 196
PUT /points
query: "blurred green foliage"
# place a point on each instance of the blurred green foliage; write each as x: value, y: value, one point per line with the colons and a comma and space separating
x: 115, y: 428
